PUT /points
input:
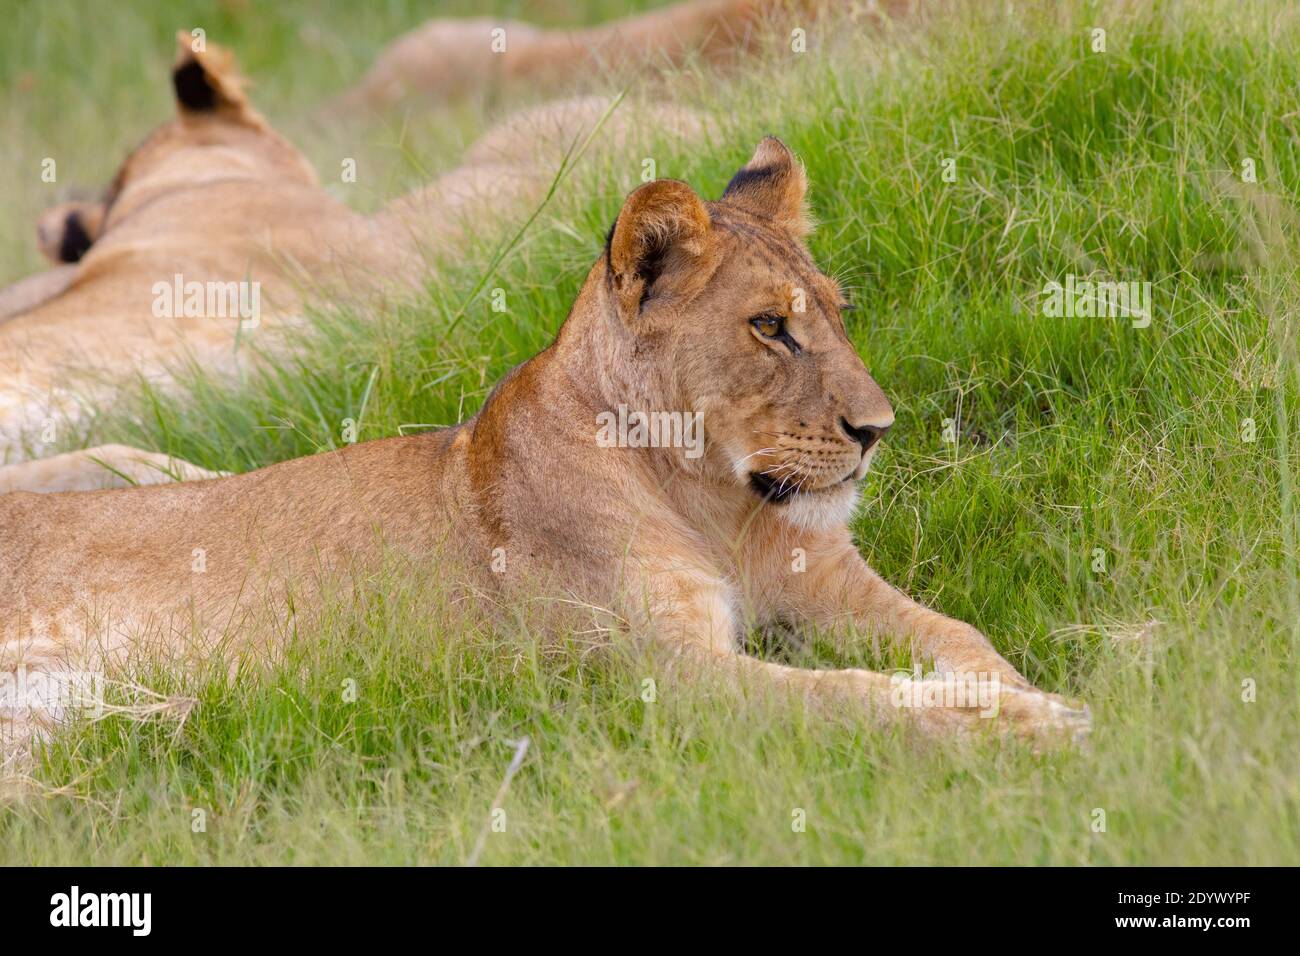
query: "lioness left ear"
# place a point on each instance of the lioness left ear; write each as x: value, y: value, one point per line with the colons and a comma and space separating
x: 660, y: 235
x: 207, y: 81
x: 772, y: 186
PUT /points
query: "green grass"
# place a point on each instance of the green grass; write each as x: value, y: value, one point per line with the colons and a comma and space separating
x: 1072, y: 435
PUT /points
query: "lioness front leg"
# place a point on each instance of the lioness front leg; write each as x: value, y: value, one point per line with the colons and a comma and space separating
x: 838, y: 590
x: 693, y: 615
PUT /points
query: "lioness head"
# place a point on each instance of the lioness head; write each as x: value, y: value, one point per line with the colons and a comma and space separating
x: 727, y: 314
x: 216, y: 134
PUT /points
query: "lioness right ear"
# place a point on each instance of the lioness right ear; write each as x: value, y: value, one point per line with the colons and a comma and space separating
x: 207, y: 81
x: 662, y: 228
x: 773, y: 186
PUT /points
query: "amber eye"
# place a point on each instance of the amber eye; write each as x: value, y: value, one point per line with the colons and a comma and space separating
x: 772, y: 326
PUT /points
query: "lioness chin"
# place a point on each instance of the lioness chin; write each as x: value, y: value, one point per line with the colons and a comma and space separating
x: 708, y: 309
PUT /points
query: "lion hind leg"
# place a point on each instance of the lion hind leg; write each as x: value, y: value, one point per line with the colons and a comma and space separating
x: 105, y: 466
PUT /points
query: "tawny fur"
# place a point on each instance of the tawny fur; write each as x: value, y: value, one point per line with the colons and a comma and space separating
x: 448, y: 58
x: 104, y: 466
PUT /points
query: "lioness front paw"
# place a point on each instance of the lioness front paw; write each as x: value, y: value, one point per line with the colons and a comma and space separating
x: 1046, y: 720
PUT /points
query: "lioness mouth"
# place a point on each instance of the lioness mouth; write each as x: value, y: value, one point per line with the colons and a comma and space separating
x: 771, y: 489
x: 779, y: 491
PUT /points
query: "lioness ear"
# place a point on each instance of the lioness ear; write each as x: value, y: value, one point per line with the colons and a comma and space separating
x: 772, y: 185
x: 65, y: 233
x: 207, y: 81
x: 661, y: 232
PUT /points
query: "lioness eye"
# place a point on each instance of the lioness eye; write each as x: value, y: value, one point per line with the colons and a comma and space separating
x: 772, y: 326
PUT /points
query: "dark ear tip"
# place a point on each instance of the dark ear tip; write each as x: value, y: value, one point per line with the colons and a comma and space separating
x: 193, y: 91
x: 76, y: 241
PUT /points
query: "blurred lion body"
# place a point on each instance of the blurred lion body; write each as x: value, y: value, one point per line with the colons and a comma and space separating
x: 215, y: 200
x: 450, y: 58
x: 447, y: 58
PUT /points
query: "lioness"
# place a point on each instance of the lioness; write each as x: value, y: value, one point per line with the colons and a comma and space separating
x: 703, y: 308
x: 216, y: 231
x: 445, y: 58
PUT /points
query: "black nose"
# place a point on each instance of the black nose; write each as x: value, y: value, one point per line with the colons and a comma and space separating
x: 864, y: 435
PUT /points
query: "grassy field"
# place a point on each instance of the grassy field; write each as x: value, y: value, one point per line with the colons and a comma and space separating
x: 1113, y: 504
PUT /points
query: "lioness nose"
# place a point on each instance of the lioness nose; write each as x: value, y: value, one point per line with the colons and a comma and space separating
x: 865, y: 435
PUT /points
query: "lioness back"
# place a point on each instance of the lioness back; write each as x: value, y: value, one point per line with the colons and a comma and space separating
x: 204, y: 546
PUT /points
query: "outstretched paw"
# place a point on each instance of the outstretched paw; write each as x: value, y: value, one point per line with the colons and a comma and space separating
x: 1046, y: 720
